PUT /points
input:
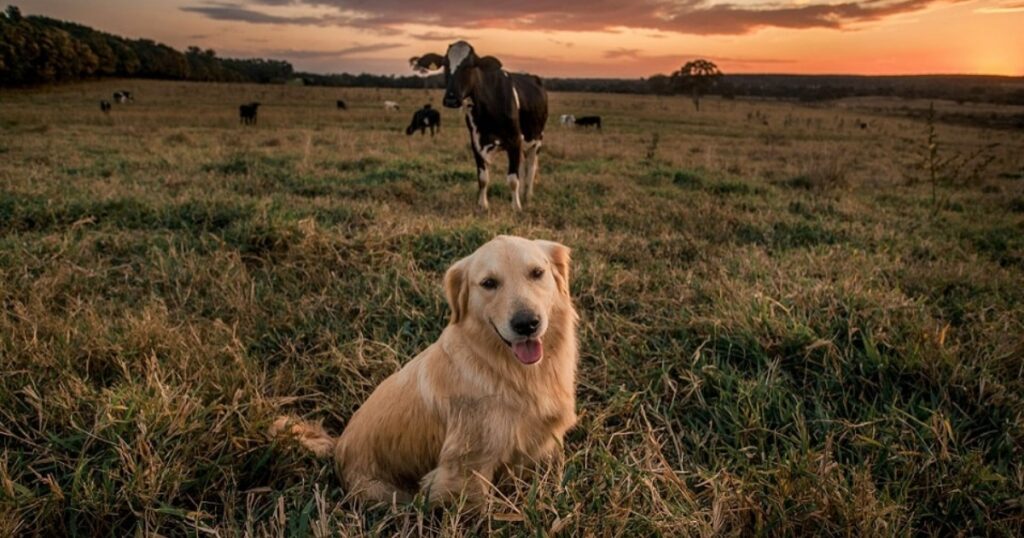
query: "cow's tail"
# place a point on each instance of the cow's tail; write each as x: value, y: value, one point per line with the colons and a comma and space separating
x: 311, y: 436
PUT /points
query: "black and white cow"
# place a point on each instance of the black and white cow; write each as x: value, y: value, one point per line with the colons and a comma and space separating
x: 247, y: 113
x: 423, y: 119
x: 504, y: 112
x: 123, y: 96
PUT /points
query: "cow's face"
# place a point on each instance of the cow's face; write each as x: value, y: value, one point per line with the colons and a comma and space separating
x: 459, y: 63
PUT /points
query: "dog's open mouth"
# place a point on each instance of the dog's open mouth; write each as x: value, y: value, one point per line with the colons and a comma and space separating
x: 527, y: 351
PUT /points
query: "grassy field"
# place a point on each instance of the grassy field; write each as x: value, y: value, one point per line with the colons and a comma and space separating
x: 786, y: 330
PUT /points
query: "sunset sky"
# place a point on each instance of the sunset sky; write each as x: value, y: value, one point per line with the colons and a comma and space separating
x: 584, y: 38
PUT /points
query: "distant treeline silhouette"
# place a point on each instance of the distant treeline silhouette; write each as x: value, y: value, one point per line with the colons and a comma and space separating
x: 810, y: 88
x: 40, y: 50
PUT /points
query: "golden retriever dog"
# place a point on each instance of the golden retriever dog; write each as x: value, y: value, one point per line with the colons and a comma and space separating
x: 496, y: 390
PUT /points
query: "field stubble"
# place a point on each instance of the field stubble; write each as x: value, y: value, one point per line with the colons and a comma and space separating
x: 780, y: 333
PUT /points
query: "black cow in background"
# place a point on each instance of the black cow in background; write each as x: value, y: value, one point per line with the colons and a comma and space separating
x: 105, y: 106
x: 424, y: 118
x: 247, y: 113
x: 342, y: 105
x: 589, y: 121
x: 504, y: 112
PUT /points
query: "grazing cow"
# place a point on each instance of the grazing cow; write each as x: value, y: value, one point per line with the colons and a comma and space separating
x: 424, y: 118
x: 123, y: 96
x: 105, y: 106
x: 247, y: 113
x: 504, y: 112
x: 589, y: 121
x: 862, y: 125
x: 342, y: 105
x: 567, y: 119
x: 390, y: 105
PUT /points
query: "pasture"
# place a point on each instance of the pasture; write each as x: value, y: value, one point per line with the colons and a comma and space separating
x: 786, y: 329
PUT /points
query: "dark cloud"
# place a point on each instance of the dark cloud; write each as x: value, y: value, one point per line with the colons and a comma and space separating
x: 1001, y: 7
x: 340, y: 53
x: 639, y: 65
x: 622, y: 53
x: 636, y: 57
x: 438, y: 36
x: 682, y: 16
x: 239, y: 13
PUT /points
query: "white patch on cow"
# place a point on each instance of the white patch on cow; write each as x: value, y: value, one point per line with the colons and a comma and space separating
x: 515, y: 95
x: 457, y: 54
x: 488, y: 151
x: 426, y: 121
x: 513, y: 184
x: 474, y: 134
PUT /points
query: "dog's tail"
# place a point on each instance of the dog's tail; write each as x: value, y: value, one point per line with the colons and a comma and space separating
x: 312, y: 436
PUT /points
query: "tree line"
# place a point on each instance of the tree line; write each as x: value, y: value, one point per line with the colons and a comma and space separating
x: 40, y: 50
x: 813, y: 88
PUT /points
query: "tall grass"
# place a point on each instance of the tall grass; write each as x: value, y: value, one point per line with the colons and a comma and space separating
x: 761, y: 354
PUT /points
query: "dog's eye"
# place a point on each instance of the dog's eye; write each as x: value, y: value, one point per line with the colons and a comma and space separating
x: 536, y: 273
x: 489, y: 283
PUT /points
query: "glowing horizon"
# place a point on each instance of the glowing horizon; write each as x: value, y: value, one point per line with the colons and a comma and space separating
x: 584, y: 38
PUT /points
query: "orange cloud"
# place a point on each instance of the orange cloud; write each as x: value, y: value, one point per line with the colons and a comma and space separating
x: 699, y: 17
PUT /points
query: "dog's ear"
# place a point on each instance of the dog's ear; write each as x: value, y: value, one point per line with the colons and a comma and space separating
x: 456, y: 289
x: 559, y: 256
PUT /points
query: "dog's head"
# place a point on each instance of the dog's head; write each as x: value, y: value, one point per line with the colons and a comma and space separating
x: 509, y: 290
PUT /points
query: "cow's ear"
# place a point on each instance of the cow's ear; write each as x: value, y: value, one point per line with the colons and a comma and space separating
x: 488, y: 63
x: 427, y: 63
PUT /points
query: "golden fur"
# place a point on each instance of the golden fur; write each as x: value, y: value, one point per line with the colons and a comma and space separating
x: 466, y: 406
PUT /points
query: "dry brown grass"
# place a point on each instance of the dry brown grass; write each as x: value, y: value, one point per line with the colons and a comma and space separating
x: 778, y: 336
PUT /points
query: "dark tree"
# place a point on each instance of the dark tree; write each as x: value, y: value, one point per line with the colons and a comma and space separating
x: 697, y: 77
x: 659, y: 84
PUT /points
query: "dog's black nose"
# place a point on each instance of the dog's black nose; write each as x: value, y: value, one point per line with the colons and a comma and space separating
x: 525, y: 323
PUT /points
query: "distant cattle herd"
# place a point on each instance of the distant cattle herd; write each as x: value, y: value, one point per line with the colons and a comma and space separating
x: 504, y: 113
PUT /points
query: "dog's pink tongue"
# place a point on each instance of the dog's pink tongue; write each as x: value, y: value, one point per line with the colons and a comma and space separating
x: 528, y: 351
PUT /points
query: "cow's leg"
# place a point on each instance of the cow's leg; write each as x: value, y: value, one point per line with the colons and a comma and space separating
x: 531, y: 153
x: 482, y: 177
x: 515, y: 159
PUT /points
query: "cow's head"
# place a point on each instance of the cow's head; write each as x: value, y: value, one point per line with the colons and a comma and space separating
x: 461, y: 70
